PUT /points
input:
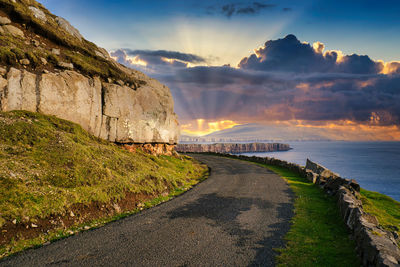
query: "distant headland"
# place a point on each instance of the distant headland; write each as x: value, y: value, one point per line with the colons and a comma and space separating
x: 232, y: 147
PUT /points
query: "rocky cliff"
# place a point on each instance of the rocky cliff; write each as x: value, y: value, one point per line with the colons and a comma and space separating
x: 232, y: 148
x: 47, y: 66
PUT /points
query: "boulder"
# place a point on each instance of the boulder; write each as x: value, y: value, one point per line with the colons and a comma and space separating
x: 4, y: 20
x: 64, y: 24
x: 56, y: 51
x: 14, y: 31
x: 24, y: 61
x: 65, y: 65
x: 38, y: 13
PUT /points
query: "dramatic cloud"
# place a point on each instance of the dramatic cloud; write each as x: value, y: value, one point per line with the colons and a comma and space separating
x: 289, y: 54
x: 229, y: 10
x: 166, y: 54
x: 286, y: 81
x: 155, y: 61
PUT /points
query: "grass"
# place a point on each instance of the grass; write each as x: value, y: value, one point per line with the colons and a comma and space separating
x: 57, y: 234
x: 81, y: 53
x: 318, y: 236
x: 48, y: 164
x: 386, y: 209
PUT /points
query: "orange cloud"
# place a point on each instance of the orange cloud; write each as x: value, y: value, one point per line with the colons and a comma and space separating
x: 349, y: 130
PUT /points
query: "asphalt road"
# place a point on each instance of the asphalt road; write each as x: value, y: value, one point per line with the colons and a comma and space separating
x: 234, y: 218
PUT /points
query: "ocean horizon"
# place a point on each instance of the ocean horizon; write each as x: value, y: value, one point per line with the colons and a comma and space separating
x: 375, y: 165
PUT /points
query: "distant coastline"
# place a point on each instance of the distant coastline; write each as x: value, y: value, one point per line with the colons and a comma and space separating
x: 232, y: 147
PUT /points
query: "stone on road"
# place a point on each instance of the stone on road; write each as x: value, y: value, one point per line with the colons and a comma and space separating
x: 234, y: 218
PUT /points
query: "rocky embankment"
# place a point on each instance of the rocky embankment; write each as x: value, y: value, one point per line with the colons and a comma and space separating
x: 47, y: 66
x: 232, y: 148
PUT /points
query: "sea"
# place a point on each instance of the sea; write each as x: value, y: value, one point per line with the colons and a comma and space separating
x: 375, y: 165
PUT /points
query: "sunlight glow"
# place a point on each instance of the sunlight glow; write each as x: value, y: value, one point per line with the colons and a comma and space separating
x: 202, y: 127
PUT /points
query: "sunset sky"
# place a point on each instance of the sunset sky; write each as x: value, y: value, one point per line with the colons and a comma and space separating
x: 320, y: 65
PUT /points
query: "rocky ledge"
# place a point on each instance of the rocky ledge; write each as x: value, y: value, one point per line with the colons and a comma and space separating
x: 117, y: 113
x: 47, y: 66
x: 232, y: 148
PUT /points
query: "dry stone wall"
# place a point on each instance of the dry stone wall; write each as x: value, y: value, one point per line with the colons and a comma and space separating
x: 375, y: 246
x: 114, y: 112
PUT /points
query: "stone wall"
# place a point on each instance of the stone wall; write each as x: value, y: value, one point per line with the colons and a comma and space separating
x: 232, y: 147
x: 375, y: 246
x: 115, y: 112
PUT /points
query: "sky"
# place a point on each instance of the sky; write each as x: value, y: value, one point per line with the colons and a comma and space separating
x: 305, y: 64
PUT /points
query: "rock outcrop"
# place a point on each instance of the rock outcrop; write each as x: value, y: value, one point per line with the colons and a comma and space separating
x: 50, y: 68
x: 232, y: 148
x: 113, y: 112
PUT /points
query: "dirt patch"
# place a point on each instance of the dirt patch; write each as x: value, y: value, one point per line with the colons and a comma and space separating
x: 77, y: 214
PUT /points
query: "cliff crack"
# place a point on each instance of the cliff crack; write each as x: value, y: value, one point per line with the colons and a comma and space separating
x: 21, y: 86
x: 37, y: 90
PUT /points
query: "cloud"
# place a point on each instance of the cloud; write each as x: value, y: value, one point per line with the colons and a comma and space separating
x: 155, y: 61
x: 289, y: 54
x: 284, y: 80
x: 232, y: 9
x: 191, y: 58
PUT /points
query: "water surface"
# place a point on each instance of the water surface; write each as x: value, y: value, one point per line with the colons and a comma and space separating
x: 375, y: 165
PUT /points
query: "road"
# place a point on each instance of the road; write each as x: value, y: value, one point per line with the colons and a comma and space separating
x: 234, y: 218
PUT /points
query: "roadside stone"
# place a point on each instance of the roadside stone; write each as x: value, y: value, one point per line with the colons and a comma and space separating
x: 86, y: 227
x: 38, y: 13
x: 25, y: 61
x: 14, y: 31
x: 71, y: 214
x: 64, y: 65
x: 14, y: 221
x: 116, y: 207
x: 4, y: 20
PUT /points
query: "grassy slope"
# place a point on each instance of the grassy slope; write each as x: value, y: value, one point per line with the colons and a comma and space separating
x: 79, y: 52
x: 48, y: 164
x: 386, y: 209
x: 318, y: 236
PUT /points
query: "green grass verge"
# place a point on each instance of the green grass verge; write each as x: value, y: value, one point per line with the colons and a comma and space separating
x: 318, y: 236
x: 48, y: 164
x: 386, y: 209
x: 57, y: 234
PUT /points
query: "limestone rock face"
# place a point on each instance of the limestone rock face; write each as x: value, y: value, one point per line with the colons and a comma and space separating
x: 110, y: 111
